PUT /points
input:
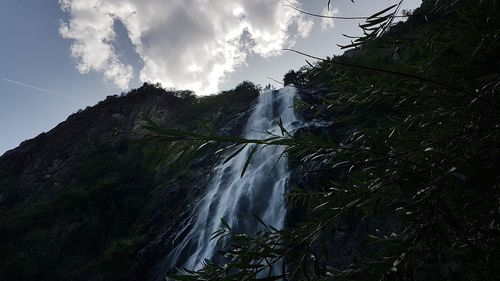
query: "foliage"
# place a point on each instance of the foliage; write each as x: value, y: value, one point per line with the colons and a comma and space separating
x: 84, y: 220
x: 94, y: 226
x: 418, y: 106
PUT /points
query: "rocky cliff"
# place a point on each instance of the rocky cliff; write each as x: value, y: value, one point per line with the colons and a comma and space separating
x: 89, y: 200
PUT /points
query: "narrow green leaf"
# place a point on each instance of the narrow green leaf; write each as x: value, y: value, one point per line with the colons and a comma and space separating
x: 224, y: 222
x: 382, y: 12
x: 234, y: 154
x: 249, y: 158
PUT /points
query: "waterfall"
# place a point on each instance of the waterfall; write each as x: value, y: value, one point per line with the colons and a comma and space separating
x: 236, y: 198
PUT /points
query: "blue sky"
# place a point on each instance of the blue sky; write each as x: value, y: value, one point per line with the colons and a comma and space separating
x: 41, y: 80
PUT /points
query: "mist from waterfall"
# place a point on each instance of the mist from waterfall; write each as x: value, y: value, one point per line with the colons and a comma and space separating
x: 235, y: 198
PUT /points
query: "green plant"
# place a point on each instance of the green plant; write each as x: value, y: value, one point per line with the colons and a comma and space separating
x: 417, y: 149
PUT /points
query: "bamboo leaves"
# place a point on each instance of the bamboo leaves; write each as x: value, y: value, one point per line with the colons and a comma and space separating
x: 418, y: 154
x: 375, y: 25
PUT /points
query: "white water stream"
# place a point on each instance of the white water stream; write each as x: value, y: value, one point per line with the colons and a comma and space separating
x: 260, y: 191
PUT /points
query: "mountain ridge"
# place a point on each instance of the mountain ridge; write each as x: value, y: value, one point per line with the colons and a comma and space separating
x: 93, y: 170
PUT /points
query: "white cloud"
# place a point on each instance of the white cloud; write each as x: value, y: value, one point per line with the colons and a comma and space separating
x: 182, y: 43
x: 327, y: 23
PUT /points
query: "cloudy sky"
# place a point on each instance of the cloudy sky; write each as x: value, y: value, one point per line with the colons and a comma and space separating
x: 59, y: 56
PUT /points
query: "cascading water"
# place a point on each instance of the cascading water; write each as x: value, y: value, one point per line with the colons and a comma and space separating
x: 235, y: 198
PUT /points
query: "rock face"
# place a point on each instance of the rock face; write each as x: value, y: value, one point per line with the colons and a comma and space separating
x: 52, y: 156
x: 89, y: 201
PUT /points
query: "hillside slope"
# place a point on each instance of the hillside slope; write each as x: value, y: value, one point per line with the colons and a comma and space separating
x: 396, y: 178
x: 80, y: 201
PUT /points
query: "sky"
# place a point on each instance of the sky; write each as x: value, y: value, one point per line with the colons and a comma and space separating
x: 60, y: 56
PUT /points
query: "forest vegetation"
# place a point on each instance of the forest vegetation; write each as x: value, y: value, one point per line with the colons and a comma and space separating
x: 415, y: 148
x: 408, y: 165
